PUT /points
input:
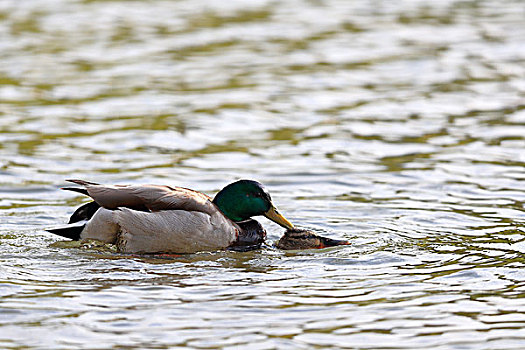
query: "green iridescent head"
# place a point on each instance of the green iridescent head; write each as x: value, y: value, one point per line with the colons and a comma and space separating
x: 243, y: 199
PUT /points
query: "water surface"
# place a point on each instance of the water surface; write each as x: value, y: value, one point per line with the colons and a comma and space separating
x: 396, y: 125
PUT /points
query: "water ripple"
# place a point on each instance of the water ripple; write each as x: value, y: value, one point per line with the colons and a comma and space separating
x: 396, y: 126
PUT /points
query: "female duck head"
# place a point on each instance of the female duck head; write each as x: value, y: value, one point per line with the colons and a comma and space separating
x: 298, y: 238
x: 243, y: 199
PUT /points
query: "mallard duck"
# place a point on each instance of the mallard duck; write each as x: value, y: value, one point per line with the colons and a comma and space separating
x: 165, y: 219
x: 297, y: 238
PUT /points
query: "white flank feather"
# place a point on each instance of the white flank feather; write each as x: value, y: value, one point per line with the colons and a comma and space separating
x: 175, y: 231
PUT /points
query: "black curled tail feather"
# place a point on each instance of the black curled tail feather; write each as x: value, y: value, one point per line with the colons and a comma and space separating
x: 84, y: 212
x: 76, y: 189
x: 82, y: 182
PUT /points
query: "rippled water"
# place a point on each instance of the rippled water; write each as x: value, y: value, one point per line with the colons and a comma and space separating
x: 399, y: 126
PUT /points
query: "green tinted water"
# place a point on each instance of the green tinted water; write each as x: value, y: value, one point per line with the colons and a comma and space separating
x: 396, y: 125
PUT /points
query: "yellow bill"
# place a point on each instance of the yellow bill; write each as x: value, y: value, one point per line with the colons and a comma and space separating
x: 276, y: 217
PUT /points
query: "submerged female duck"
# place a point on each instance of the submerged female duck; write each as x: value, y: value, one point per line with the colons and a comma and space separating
x: 153, y: 218
x: 297, y: 238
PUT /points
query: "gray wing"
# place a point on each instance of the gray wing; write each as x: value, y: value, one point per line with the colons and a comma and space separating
x: 149, y: 197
